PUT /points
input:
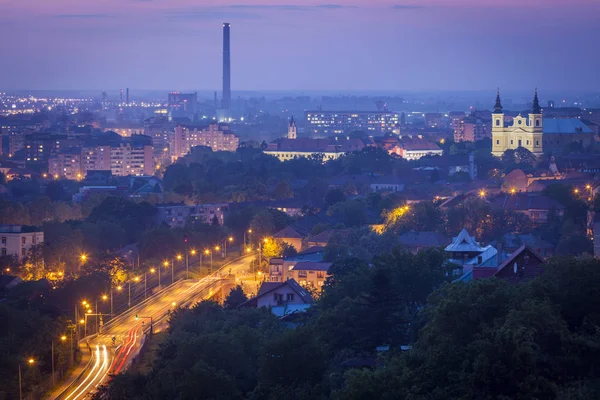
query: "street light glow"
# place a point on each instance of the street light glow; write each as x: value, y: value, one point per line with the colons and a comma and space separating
x: 179, y: 257
x: 82, y: 321
x: 104, y: 297
x: 31, y: 361
x: 173, y: 304
x: 63, y: 338
x: 513, y: 191
x: 83, y: 257
x: 166, y: 263
x: 119, y: 287
x: 193, y: 252
x: 576, y: 191
x: 152, y: 270
x: 482, y: 193
x: 230, y: 239
x: 84, y: 303
x: 207, y: 252
x: 137, y: 279
x: 217, y: 248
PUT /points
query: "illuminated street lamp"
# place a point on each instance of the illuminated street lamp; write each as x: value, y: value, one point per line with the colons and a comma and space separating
x: 207, y: 252
x: 482, y: 193
x: 230, y: 240
x: 30, y: 361
x: 513, y: 191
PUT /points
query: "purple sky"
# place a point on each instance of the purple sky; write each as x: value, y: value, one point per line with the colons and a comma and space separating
x: 301, y: 45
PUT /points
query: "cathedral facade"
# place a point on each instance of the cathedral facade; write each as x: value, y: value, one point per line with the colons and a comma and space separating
x: 537, y: 134
x: 524, y: 132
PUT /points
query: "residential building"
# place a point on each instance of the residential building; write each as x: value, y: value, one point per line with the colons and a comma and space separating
x: 290, y: 237
x: 310, y: 274
x: 471, y: 129
x: 464, y: 248
x: 417, y: 241
x: 16, y: 240
x: 276, y: 294
x: 388, y: 184
x: 110, y: 152
x: 522, y: 265
x: 329, y: 123
x: 178, y: 214
x: 537, y: 207
x: 216, y: 136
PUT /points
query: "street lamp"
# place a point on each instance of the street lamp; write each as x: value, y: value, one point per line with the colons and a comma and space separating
x: 207, y: 252
x: 30, y: 361
x: 62, y: 339
x: 482, y: 193
x: 230, y: 240
x: 249, y: 232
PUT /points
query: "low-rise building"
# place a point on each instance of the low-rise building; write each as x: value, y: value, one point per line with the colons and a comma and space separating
x: 290, y: 237
x: 537, y: 207
x: 417, y: 241
x: 310, y: 274
x: 277, y: 294
x: 16, y: 240
x: 178, y: 214
x: 417, y: 148
x: 332, y: 148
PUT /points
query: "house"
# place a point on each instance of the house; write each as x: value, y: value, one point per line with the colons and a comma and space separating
x: 510, y: 243
x: 416, y: 241
x: 387, y: 184
x: 291, y: 237
x: 464, y: 248
x: 16, y: 240
x: 524, y: 264
x: 322, y: 238
x: 536, y: 207
x: 311, y: 274
x: 277, y: 294
x: 280, y: 269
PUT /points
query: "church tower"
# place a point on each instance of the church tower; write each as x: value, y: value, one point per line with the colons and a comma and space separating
x: 498, y: 131
x: 535, y: 117
x: 292, y: 129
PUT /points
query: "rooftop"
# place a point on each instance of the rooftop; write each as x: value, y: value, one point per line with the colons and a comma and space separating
x: 565, y: 126
x: 464, y: 243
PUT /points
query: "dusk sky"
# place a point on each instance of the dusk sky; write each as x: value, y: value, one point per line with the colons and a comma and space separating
x: 308, y: 45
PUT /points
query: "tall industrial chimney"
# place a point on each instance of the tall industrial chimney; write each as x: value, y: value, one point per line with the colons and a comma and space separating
x: 127, y: 96
x: 226, y: 102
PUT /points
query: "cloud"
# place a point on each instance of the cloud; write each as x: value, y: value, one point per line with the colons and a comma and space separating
x: 209, y: 13
x: 82, y: 16
x: 407, y: 6
x: 289, y: 7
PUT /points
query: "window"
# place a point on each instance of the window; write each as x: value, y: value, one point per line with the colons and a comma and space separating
x: 497, y: 122
x: 528, y: 143
x: 277, y: 297
x: 320, y: 274
x: 511, y: 141
x: 3, y: 239
x: 290, y: 297
x: 537, y: 122
x: 23, y: 240
x: 301, y: 274
x: 537, y: 142
x: 4, y: 251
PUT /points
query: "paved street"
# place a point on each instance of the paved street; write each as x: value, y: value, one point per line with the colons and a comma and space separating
x: 114, y: 356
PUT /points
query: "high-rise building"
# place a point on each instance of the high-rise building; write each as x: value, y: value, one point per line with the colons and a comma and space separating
x: 328, y: 123
x: 217, y: 137
x: 226, y: 102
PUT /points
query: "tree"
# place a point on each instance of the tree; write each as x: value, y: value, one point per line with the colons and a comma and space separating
x: 235, y: 297
x: 282, y: 191
x: 334, y: 196
x: 272, y: 248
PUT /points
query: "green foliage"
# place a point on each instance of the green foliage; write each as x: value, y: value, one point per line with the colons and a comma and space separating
x: 235, y: 297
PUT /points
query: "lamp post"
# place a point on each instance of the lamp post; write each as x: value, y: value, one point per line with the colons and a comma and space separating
x: 62, y: 338
x: 30, y: 361
x: 218, y: 248
x: 193, y: 253
x: 249, y: 231
x: 207, y: 252
x: 230, y: 240
x: 591, y: 189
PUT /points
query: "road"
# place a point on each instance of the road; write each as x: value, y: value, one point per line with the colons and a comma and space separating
x: 121, y: 338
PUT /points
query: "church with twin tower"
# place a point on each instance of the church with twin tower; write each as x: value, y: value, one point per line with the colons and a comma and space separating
x: 524, y: 132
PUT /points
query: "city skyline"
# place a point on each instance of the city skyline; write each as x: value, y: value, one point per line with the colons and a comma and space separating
x: 281, y: 45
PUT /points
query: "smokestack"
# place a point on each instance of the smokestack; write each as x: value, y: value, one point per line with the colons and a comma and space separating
x: 226, y: 101
x: 127, y: 96
x: 121, y: 96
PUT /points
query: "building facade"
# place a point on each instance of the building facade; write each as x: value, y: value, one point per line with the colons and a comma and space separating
x: 328, y: 123
x: 16, y: 241
x: 217, y: 137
